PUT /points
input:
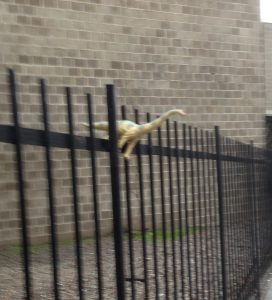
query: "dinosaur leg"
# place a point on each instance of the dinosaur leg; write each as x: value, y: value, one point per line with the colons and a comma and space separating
x: 130, y: 148
x: 122, y: 141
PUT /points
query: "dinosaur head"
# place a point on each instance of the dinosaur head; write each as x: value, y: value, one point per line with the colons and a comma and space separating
x: 177, y: 111
x: 181, y: 112
x: 85, y: 124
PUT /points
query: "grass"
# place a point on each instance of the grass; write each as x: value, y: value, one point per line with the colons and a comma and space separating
x: 137, y: 235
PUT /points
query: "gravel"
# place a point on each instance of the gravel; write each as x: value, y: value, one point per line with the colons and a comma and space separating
x: 207, y: 269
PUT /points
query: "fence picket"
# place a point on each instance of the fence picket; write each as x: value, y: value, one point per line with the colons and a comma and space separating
x: 51, y: 190
x: 172, y: 209
x: 153, y: 211
x: 75, y: 195
x: 163, y: 213
x: 142, y: 211
x: 129, y: 219
x: 116, y: 197
x: 20, y: 179
x: 95, y: 191
x: 221, y: 212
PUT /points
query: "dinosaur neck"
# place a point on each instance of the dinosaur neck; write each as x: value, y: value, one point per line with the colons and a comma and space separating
x: 157, y: 123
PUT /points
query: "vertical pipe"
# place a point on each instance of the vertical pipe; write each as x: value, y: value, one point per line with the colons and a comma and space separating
x: 95, y: 199
x: 51, y: 194
x: 172, y: 209
x: 142, y: 211
x: 116, y: 197
x: 221, y: 211
x: 153, y: 211
x: 20, y: 179
x: 75, y: 193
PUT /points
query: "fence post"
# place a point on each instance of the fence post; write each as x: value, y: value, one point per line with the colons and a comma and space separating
x: 255, y: 219
x: 115, y: 188
x: 221, y: 210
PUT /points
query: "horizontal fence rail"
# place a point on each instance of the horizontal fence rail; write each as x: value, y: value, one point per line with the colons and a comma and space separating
x: 190, y: 211
x: 36, y: 137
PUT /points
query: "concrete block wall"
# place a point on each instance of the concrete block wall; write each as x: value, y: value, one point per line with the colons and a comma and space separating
x: 206, y: 57
x: 268, y: 66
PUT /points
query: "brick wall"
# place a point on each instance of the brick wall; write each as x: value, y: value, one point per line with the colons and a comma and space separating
x: 206, y: 57
x: 268, y: 65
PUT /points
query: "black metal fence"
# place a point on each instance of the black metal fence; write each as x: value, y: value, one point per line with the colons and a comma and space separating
x: 204, y: 210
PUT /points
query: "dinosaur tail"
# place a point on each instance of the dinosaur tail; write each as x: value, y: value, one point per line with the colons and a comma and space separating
x: 98, y: 125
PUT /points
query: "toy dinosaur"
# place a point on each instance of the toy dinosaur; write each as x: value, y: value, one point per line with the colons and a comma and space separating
x: 130, y: 133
